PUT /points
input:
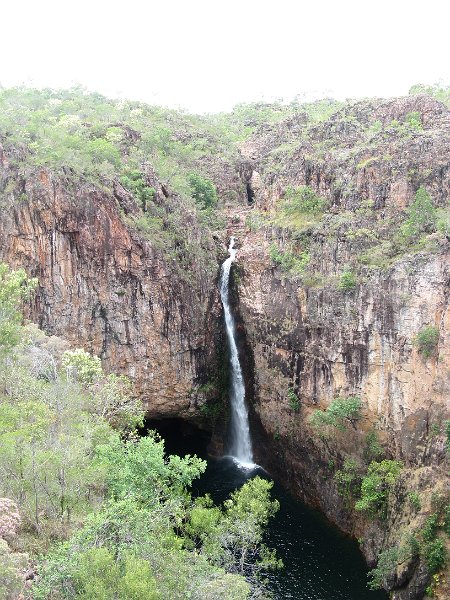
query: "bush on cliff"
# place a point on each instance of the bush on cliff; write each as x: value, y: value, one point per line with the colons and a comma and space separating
x: 421, y: 217
x: 303, y: 200
x: 340, y: 413
x: 203, y: 191
x: 15, y: 287
x: 376, y: 486
x: 427, y: 341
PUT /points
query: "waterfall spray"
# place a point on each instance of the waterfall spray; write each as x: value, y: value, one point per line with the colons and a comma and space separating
x: 240, y: 446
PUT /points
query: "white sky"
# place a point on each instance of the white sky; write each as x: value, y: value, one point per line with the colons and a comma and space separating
x: 209, y: 55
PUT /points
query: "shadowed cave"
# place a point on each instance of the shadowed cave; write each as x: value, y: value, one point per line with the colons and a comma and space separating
x: 181, y: 437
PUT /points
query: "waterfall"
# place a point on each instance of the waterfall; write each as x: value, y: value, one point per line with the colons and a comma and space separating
x: 240, y: 447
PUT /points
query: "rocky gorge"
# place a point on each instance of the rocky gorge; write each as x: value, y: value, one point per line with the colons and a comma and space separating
x: 329, y: 303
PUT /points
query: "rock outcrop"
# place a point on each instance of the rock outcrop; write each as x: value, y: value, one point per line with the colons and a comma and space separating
x: 106, y: 288
x: 314, y: 340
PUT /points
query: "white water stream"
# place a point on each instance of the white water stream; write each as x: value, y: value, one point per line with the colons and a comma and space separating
x: 240, y: 447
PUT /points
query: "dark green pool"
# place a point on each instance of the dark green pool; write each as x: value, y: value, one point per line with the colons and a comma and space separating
x: 319, y: 562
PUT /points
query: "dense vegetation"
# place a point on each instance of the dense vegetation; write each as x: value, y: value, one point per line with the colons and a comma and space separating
x: 106, y: 514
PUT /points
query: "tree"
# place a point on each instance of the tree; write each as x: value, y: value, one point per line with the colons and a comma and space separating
x: 338, y: 414
x: 427, y: 341
x: 203, y: 191
x: 231, y: 537
x: 421, y: 216
x: 376, y: 486
x: 139, y: 469
x: 15, y: 287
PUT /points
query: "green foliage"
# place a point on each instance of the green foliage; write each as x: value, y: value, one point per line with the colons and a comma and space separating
x: 421, y: 217
x: 435, y: 555
x: 50, y: 427
x: 373, y: 450
x: 156, y: 543
x: 289, y: 261
x: 347, y: 281
x: 386, y: 565
x: 12, y: 567
x: 140, y: 470
x: 232, y: 536
x: 347, y: 478
x: 203, y: 191
x: 81, y: 366
x: 389, y: 559
x: 15, y: 287
x: 134, y: 182
x: 338, y: 414
x: 427, y: 341
x: 100, y: 577
x: 414, y: 120
x: 303, y: 200
x: 376, y: 486
x: 294, y: 402
x: 430, y: 527
x: 414, y: 500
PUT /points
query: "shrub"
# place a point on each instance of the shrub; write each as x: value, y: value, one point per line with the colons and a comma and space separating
x: 427, y: 340
x: 203, y: 191
x: 373, y: 449
x: 389, y: 559
x: 386, y: 565
x: 347, y: 281
x: 414, y: 500
x: 289, y: 261
x: 133, y: 181
x: 421, y: 216
x: 82, y: 366
x: 434, y: 554
x: 340, y: 412
x: 15, y: 287
x: 303, y: 199
x: 347, y: 477
x: 430, y: 527
x: 294, y: 402
x: 414, y: 120
x: 376, y: 485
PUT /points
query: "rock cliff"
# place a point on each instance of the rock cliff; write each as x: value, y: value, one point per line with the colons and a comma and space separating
x: 313, y: 339
x: 106, y: 288
x: 329, y: 303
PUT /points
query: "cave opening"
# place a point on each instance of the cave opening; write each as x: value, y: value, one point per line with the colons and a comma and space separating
x: 180, y: 436
x: 250, y: 194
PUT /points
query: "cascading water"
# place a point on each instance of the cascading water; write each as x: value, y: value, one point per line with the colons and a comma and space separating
x: 240, y: 443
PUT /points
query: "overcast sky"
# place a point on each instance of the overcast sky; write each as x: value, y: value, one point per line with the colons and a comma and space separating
x: 208, y: 56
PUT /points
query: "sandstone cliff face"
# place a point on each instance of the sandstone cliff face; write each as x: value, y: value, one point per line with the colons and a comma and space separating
x: 103, y: 287
x: 310, y: 337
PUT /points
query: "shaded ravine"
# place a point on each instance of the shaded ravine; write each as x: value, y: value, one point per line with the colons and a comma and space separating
x: 320, y: 563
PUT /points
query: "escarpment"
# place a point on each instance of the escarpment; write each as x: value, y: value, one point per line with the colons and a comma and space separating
x: 104, y: 287
x: 341, y: 291
x: 334, y: 305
